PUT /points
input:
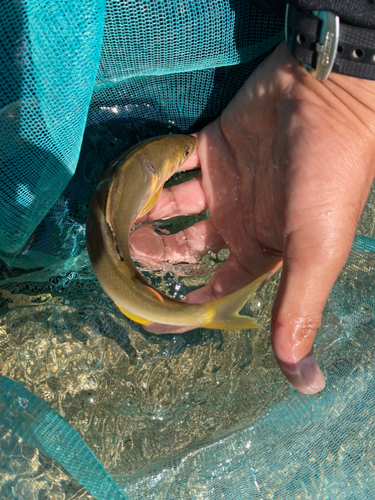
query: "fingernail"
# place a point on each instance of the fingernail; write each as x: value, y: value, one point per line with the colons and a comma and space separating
x: 305, y: 376
x: 311, y: 374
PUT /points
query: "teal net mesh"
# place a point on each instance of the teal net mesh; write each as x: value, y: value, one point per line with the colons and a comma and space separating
x: 91, y: 406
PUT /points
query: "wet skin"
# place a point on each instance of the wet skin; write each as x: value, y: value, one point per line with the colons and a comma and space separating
x: 286, y: 170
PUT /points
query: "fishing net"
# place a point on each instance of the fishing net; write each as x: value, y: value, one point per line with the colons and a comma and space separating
x: 91, y: 406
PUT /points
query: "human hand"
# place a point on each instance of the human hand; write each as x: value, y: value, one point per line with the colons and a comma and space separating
x: 286, y: 170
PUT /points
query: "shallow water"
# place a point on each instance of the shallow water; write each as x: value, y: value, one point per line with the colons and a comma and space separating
x: 85, y: 359
x: 141, y: 400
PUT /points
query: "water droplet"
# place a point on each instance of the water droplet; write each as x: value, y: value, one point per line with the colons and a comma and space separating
x: 23, y: 402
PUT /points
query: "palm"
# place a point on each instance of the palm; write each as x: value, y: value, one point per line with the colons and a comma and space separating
x: 285, y: 173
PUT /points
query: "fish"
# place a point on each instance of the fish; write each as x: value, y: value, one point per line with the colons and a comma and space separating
x: 128, y: 190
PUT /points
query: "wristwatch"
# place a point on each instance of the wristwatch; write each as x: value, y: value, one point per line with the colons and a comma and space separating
x: 323, y: 43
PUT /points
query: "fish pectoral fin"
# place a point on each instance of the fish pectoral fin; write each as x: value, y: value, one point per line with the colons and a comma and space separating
x: 133, y: 317
x: 151, y: 202
x: 156, y: 293
x: 223, y: 313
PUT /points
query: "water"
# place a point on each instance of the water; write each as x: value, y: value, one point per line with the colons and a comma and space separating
x: 140, y: 400
x: 132, y: 396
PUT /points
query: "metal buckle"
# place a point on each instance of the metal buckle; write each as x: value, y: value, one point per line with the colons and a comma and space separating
x: 326, y: 48
x: 328, y: 42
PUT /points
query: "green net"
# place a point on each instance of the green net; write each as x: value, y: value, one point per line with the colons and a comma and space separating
x: 91, y: 405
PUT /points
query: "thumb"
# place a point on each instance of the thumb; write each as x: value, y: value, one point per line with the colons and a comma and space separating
x: 311, y: 264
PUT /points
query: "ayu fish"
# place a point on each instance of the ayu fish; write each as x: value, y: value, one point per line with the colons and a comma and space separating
x: 128, y: 190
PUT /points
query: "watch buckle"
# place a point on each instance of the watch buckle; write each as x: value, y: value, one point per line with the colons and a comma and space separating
x: 326, y: 48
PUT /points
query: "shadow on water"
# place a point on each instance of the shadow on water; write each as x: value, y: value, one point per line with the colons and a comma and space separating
x: 179, y: 343
x: 103, y: 318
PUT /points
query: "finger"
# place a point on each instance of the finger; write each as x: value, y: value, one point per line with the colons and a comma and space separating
x: 183, y: 199
x: 312, y: 262
x: 185, y: 246
x: 234, y: 275
x: 231, y: 277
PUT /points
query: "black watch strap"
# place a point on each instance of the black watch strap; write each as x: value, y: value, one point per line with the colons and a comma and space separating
x: 323, y: 43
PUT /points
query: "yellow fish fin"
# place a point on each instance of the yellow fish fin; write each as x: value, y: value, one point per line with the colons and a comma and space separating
x: 133, y: 317
x: 223, y: 313
x: 151, y: 202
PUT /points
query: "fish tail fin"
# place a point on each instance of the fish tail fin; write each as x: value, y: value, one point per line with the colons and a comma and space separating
x: 224, y: 313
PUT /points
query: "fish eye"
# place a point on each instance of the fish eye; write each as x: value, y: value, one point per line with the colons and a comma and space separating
x: 187, y: 151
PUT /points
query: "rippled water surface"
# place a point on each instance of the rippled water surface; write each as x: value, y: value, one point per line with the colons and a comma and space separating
x: 135, y: 398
